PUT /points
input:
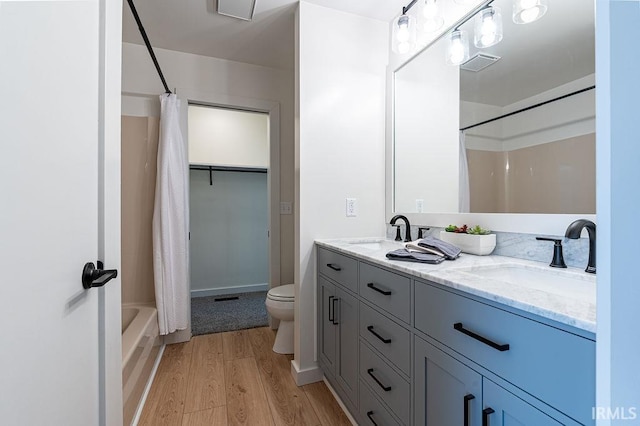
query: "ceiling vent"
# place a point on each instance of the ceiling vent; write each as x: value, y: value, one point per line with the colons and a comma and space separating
x: 479, y: 61
x: 240, y: 9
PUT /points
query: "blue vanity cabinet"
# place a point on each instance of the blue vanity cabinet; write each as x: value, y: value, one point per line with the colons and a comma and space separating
x: 337, y: 322
x: 446, y: 392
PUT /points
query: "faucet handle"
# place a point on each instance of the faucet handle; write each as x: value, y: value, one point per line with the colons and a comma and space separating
x: 420, y: 231
x: 558, y: 258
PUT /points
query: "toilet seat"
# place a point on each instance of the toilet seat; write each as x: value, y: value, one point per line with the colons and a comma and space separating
x: 282, y: 293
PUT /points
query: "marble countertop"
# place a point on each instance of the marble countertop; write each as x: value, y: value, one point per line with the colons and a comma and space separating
x: 572, y: 301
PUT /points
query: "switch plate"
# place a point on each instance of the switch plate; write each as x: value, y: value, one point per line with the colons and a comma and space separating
x: 419, y: 205
x: 285, y: 207
x: 352, y: 207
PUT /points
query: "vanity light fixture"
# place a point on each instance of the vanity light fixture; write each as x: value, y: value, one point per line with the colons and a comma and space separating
x: 527, y: 11
x: 404, y: 34
x: 457, y: 48
x: 431, y: 18
x: 487, y: 27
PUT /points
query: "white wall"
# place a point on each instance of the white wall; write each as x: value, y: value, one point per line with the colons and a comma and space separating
x: 340, y: 67
x: 226, y: 137
x: 618, y: 206
x: 207, y: 77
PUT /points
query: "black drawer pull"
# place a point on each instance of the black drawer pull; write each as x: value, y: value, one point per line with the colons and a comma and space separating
x: 370, y: 328
x: 334, y: 321
x: 373, y: 287
x: 384, y: 388
x: 370, y: 415
x: 336, y: 268
x: 467, y: 398
x: 458, y: 326
x: 331, y: 310
x: 485, y: 415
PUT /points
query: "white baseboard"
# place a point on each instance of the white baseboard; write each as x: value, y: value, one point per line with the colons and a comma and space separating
x: 306, y: 376
x: 177, y: 336
x: 147, y: 388
x: 339, y: 401
x: 219, y: 291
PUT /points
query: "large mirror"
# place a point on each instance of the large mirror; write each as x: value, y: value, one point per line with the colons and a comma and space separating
x: 540, y: 160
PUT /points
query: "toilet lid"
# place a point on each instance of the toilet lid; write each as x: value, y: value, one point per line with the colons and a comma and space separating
x: 282, y: 293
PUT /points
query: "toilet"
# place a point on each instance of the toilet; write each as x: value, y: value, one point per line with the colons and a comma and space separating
x: 280, y: 306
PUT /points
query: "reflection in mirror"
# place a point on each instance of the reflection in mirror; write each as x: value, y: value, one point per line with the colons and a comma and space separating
x: 540, y: 160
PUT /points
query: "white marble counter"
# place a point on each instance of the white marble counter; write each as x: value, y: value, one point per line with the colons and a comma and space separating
x: 570, y: 300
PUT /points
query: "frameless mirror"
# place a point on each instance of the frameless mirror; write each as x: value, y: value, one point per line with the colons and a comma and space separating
x: 538, y: 158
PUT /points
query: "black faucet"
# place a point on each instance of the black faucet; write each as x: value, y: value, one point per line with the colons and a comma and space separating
x: 407, y: 232
x: 575, y: 229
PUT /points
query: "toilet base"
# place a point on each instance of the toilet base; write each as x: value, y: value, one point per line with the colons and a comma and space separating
x: 284, y: 338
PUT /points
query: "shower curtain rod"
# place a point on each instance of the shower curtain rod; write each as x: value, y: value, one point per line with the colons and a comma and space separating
x: 148, y: 44
x: 211, y: 169
x: 577, y: 92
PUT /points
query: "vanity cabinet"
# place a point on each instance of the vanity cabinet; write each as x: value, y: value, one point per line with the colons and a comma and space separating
x: 404, y: 351
x: 338, y: 334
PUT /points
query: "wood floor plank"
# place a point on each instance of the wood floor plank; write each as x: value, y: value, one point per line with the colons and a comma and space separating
x: 236, y: 345
x: 212, y: 417
x: 205, y: 385
x: 326, y: 407
x: 246, y: 400
x: 165, y: 403
x: 289, y: 404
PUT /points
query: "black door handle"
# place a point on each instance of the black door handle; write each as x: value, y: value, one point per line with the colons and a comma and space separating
x: 467, y: 398
x: 485, y: 415
x: 373, y: 287
x: 458, y: 326
x: 372, y: 331
x: 96, y: 277
x: 384, y: 388
x: 336, y: 268
x: 334, y: 321
x: 370, y: 415
x: 331, y: 306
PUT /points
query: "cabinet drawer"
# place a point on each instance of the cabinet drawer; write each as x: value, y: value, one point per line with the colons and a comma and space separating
x: 555, y: 366
x: 388, y: 385
x: 391, y: 292
x: 390, y: 339
x: 371, y: 410
x: 340, y: 268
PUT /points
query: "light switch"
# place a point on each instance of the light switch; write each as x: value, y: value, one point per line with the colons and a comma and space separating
x: 285, y: 207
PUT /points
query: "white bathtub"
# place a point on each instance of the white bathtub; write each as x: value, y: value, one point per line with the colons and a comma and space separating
x: 140, y: 347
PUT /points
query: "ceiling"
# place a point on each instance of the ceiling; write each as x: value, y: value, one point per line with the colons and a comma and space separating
x: 194, y: 26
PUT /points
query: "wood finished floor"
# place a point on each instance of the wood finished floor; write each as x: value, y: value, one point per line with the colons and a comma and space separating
x: 234, y: 378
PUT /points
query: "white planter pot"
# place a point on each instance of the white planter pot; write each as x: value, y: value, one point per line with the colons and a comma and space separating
x: 480, y: 245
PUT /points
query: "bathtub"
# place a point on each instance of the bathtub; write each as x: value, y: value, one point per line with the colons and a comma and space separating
x: 140, y: 348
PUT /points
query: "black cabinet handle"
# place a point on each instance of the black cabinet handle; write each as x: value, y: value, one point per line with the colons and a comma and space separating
x: 334, y: 321
x: 384, y: 388
x: 485, y: 415
x: 370, y: 415
x: 370, y: 328
x: 467, y: 398
x: 336, y: 268
x: 373, y: 287
x: 458, y: 326
x: 331, y: 313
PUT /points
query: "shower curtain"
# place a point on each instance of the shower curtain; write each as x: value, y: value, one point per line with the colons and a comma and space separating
x: 463, y: 192
x: 170, y: 222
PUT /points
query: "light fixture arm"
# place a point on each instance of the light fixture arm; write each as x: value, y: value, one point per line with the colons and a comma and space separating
x: 409, y: 6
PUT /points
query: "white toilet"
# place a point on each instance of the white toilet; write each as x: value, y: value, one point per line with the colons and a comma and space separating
x: 280, y: 306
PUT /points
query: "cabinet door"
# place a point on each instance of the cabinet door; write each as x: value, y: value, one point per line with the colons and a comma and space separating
x: 447, y: 392
x: 327, y: 324
x: 502, y: 408
x: 347, y: 368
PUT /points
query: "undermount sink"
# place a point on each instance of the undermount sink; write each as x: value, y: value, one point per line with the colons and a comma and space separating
x: 556, y: 281
x: 374, y: 244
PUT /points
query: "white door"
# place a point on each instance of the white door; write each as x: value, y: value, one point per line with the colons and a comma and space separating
x: 57, y: 364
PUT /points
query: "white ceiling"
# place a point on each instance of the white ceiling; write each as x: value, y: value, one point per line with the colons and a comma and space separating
x: 194, y: 26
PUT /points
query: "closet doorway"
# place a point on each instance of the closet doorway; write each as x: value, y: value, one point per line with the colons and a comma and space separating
x: 229, y: 217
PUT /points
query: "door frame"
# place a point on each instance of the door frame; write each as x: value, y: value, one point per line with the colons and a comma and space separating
x: 109, y: 206
x: 272, y: 108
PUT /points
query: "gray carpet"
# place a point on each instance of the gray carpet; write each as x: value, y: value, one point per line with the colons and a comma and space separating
x: 209, y: 316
